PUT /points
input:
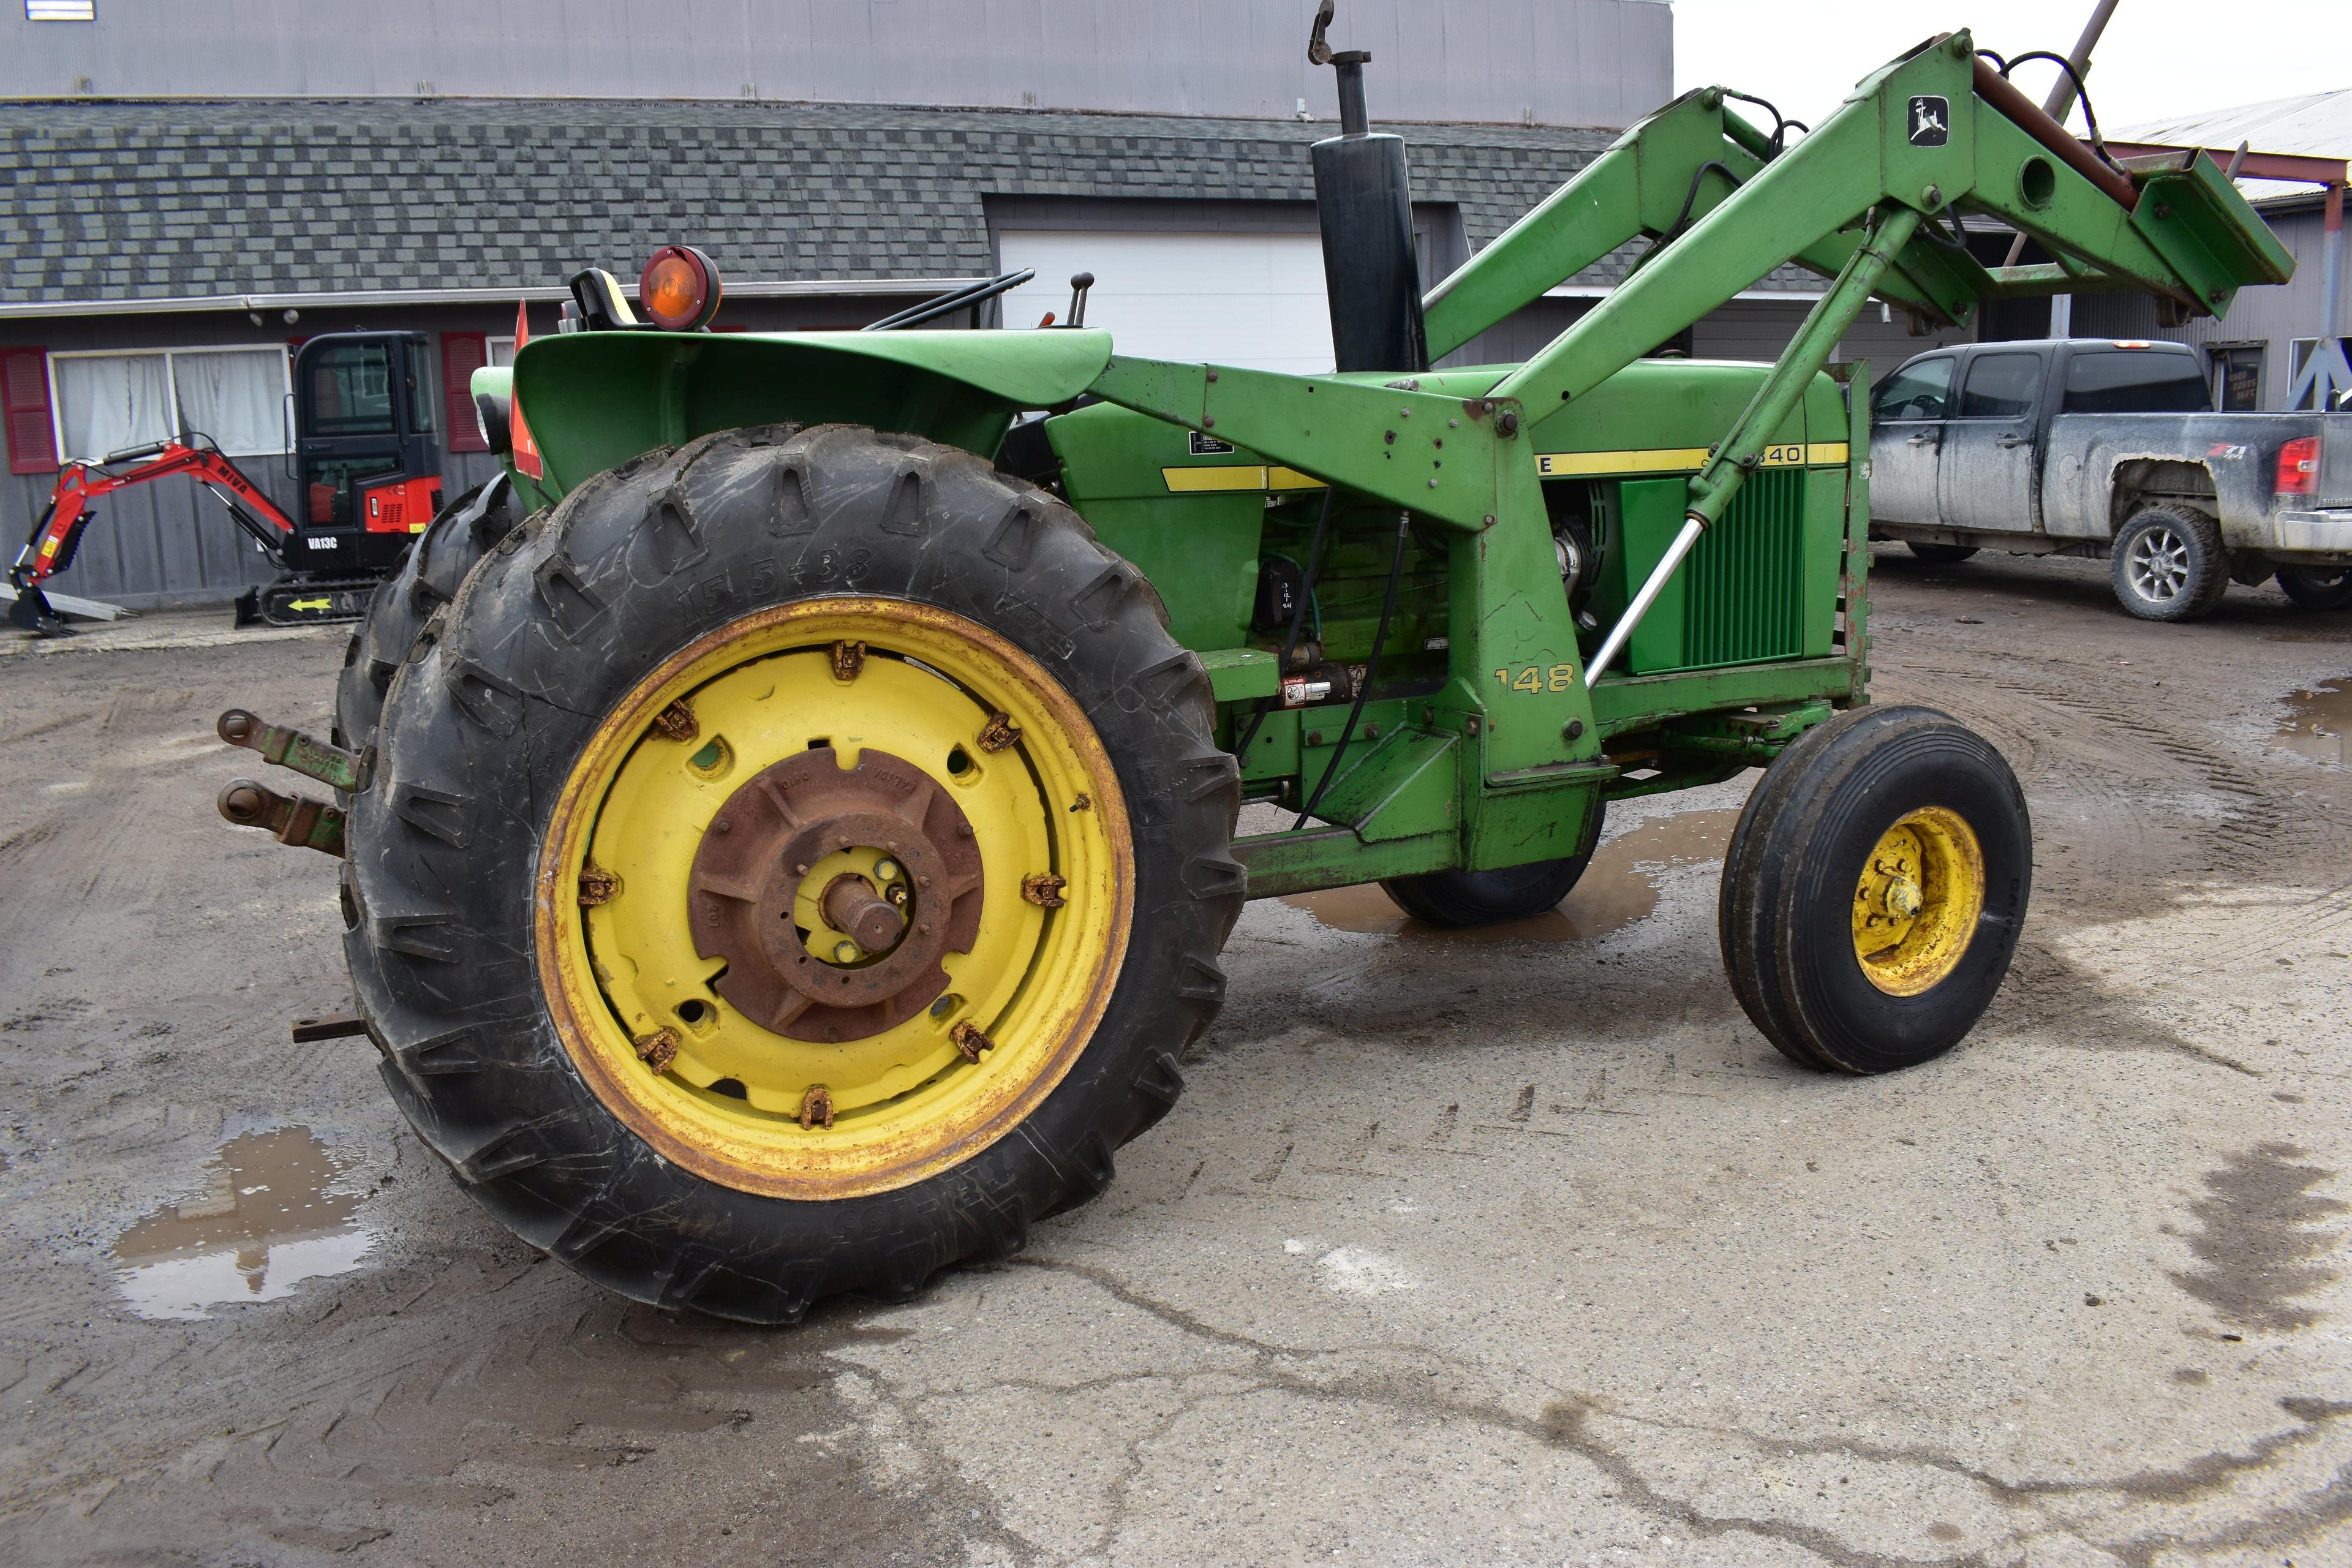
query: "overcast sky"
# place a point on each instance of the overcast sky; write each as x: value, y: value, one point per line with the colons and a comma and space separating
x: 2158, y: 59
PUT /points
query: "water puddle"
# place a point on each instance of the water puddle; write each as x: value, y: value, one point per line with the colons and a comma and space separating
x: 2317, y: 720
x: 1619, y: 887
x: 266, y: 1223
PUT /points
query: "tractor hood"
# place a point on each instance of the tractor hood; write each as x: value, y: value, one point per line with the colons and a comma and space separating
x: 594, y: 400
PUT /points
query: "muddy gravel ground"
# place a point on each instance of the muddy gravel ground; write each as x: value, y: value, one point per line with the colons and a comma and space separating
x: 1526, y: 1248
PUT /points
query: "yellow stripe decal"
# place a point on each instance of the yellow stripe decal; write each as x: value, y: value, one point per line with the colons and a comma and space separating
x: 1664, y: 460
x: 1682, y: 460
x: 1223, y: 477
x: 1227, y: 477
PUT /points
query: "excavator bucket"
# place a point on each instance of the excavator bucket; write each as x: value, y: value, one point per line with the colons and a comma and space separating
x: 31, y: 611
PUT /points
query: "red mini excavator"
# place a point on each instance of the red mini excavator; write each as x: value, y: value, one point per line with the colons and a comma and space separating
x: 369, y: 462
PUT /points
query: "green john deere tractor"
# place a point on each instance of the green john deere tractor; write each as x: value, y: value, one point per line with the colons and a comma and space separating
x: 793, y: 856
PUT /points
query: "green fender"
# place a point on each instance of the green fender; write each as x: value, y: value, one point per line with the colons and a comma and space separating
x: 594, y: 400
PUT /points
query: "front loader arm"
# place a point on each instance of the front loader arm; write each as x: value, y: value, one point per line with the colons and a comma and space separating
x: 1930, y: 133
x: 2183, y: 233
x: 1920, y: 141
x: 1663, y: 175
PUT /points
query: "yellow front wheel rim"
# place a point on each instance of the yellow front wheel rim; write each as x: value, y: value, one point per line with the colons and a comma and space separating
x: 717, y: 783
x: 1917, y: 901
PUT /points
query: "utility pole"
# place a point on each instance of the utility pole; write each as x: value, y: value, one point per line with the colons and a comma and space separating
x: 2327, y: 375
x: 2062, y: 95
x: 2061, y: 100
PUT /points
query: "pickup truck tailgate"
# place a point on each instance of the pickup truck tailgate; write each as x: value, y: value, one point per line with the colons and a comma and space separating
x: 2335, y: 462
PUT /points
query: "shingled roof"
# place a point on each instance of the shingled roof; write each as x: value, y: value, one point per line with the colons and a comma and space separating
x: 116, y: 201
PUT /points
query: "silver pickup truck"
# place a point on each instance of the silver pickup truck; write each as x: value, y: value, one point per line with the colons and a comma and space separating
x: 2088, y: 447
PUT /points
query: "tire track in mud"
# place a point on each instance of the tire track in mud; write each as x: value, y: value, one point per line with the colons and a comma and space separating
x: 399, y: 1415
x: 2094, y: 755
x: 98, y: 842
x: 2270, y: 827
x: 2269, y: 821
x: 49, y: 868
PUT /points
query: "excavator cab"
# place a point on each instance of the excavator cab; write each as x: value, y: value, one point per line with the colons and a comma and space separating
x: 367, y: 451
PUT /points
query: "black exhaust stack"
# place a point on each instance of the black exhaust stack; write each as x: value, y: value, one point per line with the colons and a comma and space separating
x: 1364, y: 198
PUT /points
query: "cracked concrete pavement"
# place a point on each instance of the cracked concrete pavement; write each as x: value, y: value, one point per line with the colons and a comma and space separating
x: 1517, y: 1251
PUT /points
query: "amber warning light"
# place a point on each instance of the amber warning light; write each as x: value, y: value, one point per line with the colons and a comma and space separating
x: 680, y: 289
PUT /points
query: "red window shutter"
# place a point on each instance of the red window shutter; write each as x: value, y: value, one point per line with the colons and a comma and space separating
x: 463, y: 353
x: 24, y: 401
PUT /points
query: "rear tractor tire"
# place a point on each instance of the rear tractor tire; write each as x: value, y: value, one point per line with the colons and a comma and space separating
x: 1874, y: 889
x: 2167, y: 564
x: 794, y: 864
x: 2317, y: 587
x: 1456, y: 898
x: 460, y: 534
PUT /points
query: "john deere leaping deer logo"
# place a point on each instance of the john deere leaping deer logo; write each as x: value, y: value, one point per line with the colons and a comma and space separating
x: 1931, y: 122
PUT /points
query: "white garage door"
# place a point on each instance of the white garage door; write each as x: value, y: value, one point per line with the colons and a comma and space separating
x: 1252, y: 300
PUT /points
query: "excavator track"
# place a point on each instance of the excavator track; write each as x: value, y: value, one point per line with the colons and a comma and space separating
x: 301, y: 604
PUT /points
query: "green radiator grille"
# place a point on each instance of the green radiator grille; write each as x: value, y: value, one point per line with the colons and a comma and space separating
x: 1743, y: 586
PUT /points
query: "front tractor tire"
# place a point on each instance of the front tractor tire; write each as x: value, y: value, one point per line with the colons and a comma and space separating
x: 792, y: 866
x: 1874, y: 889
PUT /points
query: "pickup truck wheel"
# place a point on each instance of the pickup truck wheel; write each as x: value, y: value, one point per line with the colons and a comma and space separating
x: 1874, y: 889
x: 2169, y: 564
x: 2317, y: 587
x: 793, y: 864
x: 1939, y: 554
x: 1454, y: 899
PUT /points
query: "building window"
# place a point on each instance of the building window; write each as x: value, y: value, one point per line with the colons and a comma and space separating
x: 107, y: 402
x: 62, y: 10
x: 501, y: 352
x: 2238, y: 378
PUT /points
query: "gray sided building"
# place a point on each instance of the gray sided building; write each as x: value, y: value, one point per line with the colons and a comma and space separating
x: 2258, y: 345
x: 175, y: 211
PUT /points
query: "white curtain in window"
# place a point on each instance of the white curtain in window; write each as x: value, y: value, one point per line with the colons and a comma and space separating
x: 236, y: 397
x: 108, y: 402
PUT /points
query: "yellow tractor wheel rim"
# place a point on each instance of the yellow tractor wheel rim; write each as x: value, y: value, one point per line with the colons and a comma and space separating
x: 638, y: 1002
x: 1916, y: 903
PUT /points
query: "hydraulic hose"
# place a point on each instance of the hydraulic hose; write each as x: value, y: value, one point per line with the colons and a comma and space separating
x: 1297, y: 619
x: 1371, y: 672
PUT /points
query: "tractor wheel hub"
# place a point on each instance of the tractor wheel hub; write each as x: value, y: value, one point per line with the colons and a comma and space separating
x: 832, y: 893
